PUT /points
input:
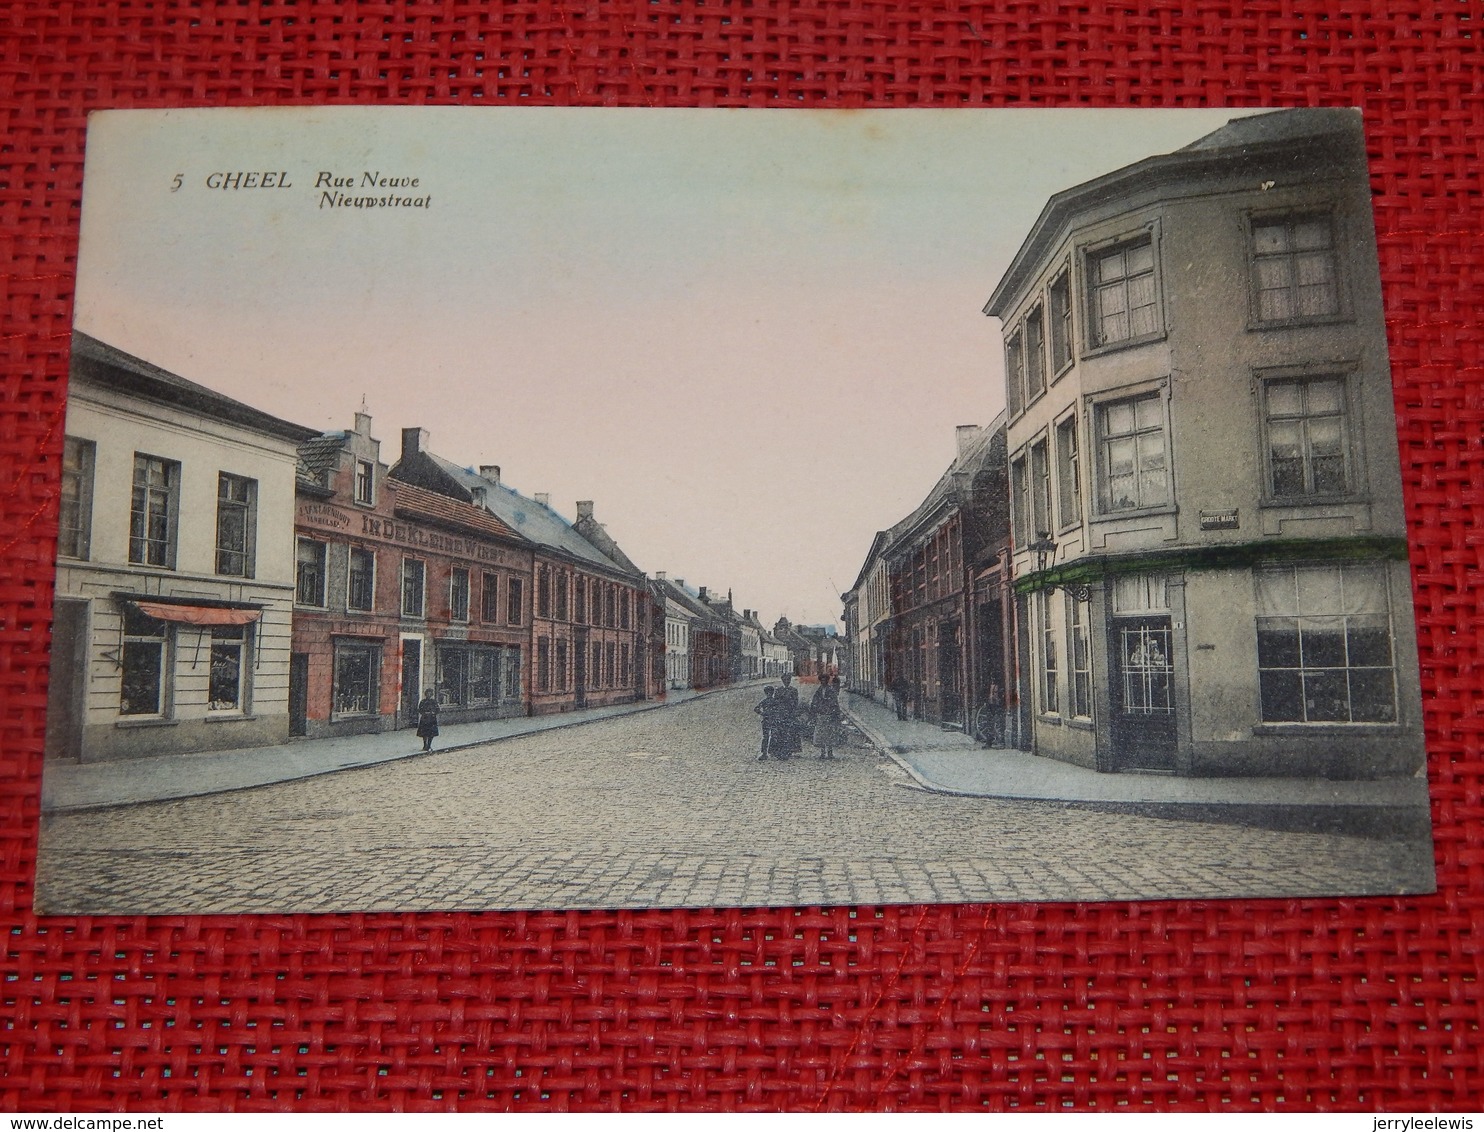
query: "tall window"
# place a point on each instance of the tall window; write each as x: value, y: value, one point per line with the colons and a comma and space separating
x: 236, y: 497
x: 1124, y: 306
x: 1079, y: 651
x: 229, y: 667
x: 365, y: 482
x: 1134, y: 465
x: 561, y: 666
x: 625, y: 673
x: 309, y: 575
x: 1021, y: 490
x: 543, y: 664
x: 1050, y: 701
x: 458, y: 594
x: 543, y: 592
x: 414, y: 587
x: 489, y: 596
x: 152, y: 511
x: 1307, y: 439
x: 1324, y: 645
x: 597, y: 666
x: 1294, y: 270
x: 580, y: 611
x: 360, y: 593
x: 76, y: 520
x: 1014, y: 374
x: 484, y: 684
x: 512, y: 673
x: 357, y: 679
x: 561, y: 595
x: 625, y: 607
x: 1035, y: 355
x: 1068, y: 474
x: 1040, y: 490
x: 1061, y: 321
x: 144, y: 657
x: 610, y: 652
x: 515, y: 600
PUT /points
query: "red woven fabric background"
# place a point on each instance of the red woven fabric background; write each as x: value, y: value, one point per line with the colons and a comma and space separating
x: 1368, y: 1003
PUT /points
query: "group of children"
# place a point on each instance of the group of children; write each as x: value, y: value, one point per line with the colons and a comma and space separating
x: 784, y: 725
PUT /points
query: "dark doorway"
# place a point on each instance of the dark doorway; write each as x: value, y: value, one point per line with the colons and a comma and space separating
x: 65, y: 703
x: 950, y: 674
x: 299, y: 693
x: 1143, y: 694
x: 412, y: 678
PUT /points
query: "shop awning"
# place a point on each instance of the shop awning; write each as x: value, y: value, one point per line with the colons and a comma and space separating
x: 196, y: 614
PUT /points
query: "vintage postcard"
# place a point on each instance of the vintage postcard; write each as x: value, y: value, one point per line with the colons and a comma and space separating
x: 473, y: 508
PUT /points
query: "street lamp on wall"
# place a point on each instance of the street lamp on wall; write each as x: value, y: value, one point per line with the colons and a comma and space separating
x: 1044, y: 548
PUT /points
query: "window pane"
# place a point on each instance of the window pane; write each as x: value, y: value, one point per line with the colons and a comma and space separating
x: 1277, y: 643
x: 1121, y: 456
x: 1326, y: 696
x: 226, y: 676
x: 140, y: 692
x: 1139, y: 259
x: 1285, y: 399
x: 1326, y: 396
x: 1118, y: 419
x: 1372, y: 696
x: 1270, y: 238
x: 1322, y: 642
x: 1282, y: 697
x: 1274, y: 305
x: 1308, y: 234
x: 1368, y: 642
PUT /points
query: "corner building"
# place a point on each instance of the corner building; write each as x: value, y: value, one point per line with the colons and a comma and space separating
x: 1208, y: 541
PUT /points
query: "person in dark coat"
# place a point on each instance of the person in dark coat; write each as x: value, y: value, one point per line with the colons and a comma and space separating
x: 786, y: 739
x: 824, y: 710
x: 427, y: 719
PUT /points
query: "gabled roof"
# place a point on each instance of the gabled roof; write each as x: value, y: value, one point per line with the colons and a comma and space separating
x: 97, y: 363
x: 319, y: 455
x: 533, y: 521
x: 686, y: 599
x: 430, y: 506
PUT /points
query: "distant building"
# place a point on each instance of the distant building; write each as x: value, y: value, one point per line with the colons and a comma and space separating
x: 175, y: 572
x: 1209, y: 549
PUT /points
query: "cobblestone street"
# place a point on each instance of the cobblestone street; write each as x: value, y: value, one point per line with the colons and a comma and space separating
x: 667, y: 808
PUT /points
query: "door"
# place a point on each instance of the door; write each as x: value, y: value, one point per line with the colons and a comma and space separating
x: 412, y: 680
x: 69, y: 670
x: 299, y: 693
x: 1143, y: 694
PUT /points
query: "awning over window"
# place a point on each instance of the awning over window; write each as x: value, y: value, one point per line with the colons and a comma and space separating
x: 196, y: 614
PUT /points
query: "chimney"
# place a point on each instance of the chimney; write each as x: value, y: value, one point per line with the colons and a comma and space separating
x: 659, y: 576
x: 490, y: 472
x: 702, y: 592
x: 414, y: 441
x: 543, y: 498
x: 965, y: 434
x: 584, y: 508
x: 680, y: 582
x: 481, y: 496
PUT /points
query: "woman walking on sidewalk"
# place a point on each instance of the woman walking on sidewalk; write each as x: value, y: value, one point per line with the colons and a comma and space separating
x: 825, y: 710
x: 427, y: 719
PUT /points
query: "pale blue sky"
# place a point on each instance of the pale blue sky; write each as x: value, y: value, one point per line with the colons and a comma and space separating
x: 747, y: 335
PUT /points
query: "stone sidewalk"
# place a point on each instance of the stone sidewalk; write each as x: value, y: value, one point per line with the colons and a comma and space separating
x: 950, y: 762
x: 67, y: 787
